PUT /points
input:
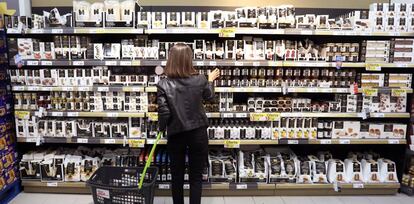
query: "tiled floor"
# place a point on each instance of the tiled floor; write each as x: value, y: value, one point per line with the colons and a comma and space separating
x: 32, y: 198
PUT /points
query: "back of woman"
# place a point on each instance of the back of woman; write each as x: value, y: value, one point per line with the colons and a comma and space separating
x: 180, y: 111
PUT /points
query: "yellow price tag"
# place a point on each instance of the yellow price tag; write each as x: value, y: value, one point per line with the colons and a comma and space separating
x: 22, y: 114
x: 273, y: 117
x: 232, y: 144
x: 370, y: 92
x: 136, y: 143
x: 398, y: 92
x: 227, y: 33
x: 259, y: 117
x: 136, y: 62
x: 373, y: 67
x: 153, y: 116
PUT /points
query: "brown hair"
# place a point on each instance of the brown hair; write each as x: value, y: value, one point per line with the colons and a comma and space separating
x: 180, y: 62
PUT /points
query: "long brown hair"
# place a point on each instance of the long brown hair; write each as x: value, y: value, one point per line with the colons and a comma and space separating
x: 180, y: 62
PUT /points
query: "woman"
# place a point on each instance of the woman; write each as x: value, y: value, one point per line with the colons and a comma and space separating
x: 181, y: 112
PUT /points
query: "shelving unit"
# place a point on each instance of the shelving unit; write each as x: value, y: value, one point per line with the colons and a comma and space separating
x: 220, y: 189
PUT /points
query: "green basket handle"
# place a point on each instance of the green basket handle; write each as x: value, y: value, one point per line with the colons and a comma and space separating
x: 148, y: 163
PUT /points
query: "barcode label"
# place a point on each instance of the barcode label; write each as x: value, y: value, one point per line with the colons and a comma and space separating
x: 241, y: 186
x: 52, y: 184
x: 109, y: 141
x: 57, y: 30
x: 164, y: 186
x: 46, y: 63
x: 200, y: 63
x: 125, y: 63
x: 393, y: 141
x: 73, y: 114
x: 344, y: 141
x: 82, y: 140
x: 238, y: 63
x: 103, y: 89
x: 57, y: 114
x: 110, y: 63
x: 213, y: 63
x: 358, y: 185
x: 293, y: 142
x: 326, y: 141
x: 256, y: 64
x: 112, y: 114
x: 78, y: 63
x: 32, y: 63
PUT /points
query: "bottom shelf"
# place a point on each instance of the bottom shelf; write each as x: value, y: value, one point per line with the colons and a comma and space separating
x: 239, y: 189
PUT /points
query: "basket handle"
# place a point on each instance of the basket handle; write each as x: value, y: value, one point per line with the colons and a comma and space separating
x: 148, y: 163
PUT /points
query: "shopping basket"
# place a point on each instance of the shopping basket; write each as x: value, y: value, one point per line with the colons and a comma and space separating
x: 125, y: 185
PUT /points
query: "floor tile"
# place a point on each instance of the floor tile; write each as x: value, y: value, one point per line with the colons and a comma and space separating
x: 160, y: 200
x: 267, y: 200
x: 32, y: 198
x: 404, y: 199
x: 297, y: 200
x: 212, y: 200
x: 355, y: 199
x: 384, y: 199
x: 326, y: 199
x: 239, y: 200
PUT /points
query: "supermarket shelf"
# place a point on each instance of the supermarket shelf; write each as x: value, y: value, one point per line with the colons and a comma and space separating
x: 78, y: 31
x: 92, y: 140
x: 307, y: 114
x: 221, y: 189
x: 102, y: 88
x: 109, y: 114
x: 149, y: 62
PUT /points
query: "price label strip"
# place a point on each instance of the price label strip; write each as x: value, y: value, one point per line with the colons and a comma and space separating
x: 152, y: 116
x: 232, y: 144
x: 259, y: 117
x: 22, y: 114
x: 398, y: 92
x: 370, y: 92
x: 136, y: 143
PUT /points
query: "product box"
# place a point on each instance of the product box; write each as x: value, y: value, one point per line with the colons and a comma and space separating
x: 216, y: 19
x: 375, y: 131
x: 353, y: 170
x: 388, y: 171
x: 398, y: 104
x: 144, y: 20
x: 203, y: 21
x: 173, y: 19
x: 370, y: 171
x: 336, y: 171
x: 346, y: 129
x: 158, y: 20
x: 52, y: 168
x: 360, y: 20
x: 188, y: 19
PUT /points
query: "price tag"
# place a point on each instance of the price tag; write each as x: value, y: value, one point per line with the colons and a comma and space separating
x: 163, y: 63
x: 344, y: 141
x: 227, y: 33
x: 32, y: 88
x: 186, y: 186
x: 402, y: 65
x: 153, y: 116
x: 52, y: 184
x: 241, y: 115
x: 22, y: 114
x: 125, y: 63
x: 57, y: 31
x: 109, y: 141
x: 103, y: 89
x: 273, y: 117
x: 259, y: 117
x: 380, y: 115
x: 136, y: 63
x: 393, y: 141
x: 46, y: 63
x: 238, y: 63
x: 199, y: 63
x: 82, y: 140
x: 78, y: 63
x: 112, y: 115
x: 232, y: 144
x: 136, y: 89
x: 213, y: 63
x: 32, y: 63
x: 358, y: 185
x: 73, y: 114
x: 31, y: 139
x: 256, y: 64
x: 164, y: 186
x: 398, y: 92
x: 370, y: 92
x: 293, y: 142
x: 227, y: 115
x: 67, y: 88
x: 373, y: 67
x: 18, y: 88
x: 36, y: 31
x: 82, y: 88
x: 57, y: 114
x: 136, y: 143
x: 110, y: 63
x: 326, y: 141
x: 306, y: 32
x: 241, y: 186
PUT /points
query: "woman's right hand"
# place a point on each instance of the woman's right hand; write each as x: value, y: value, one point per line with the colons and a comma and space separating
x: 213, y: 75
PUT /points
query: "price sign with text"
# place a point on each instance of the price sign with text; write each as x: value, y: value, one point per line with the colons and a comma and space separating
x: 398, y: 92
x: 373, y: 67
x: 22, y: 114
x: 370, y: 92
x: 227, y: 33
x: 232, y: 144
x: 136, y: 143
x: 152, y: 116
x: 259, y: 117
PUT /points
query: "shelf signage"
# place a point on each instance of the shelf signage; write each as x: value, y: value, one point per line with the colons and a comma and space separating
x: 136, y: 143
x: 22, y: 114
x: 231, y: 144
x: 153, y: 116
x: 370, y: 92
x: 373, y: 67
x: 227, y: 33
x: 398, y: 92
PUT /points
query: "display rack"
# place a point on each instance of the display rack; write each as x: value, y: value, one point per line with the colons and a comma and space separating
x: 238, y: 188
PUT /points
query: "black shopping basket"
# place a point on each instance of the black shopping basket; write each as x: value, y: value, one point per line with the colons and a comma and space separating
x: 125, y: 185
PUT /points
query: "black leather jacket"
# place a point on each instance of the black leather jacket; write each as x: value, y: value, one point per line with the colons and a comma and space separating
x: 180, y: 103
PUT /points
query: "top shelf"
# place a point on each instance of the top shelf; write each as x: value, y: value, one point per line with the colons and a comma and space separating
x: 183, y: 30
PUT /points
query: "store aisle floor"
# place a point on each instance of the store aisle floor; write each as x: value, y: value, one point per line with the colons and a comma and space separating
x: 40, y: 198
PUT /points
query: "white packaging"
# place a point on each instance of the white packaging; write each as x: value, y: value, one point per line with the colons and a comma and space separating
x: 112, y: 10
x: 346, y: 129
x: 188, y: 19
x: 399, y: 131
x: 319, y: 170
x: 72, y: 166
x: 144, y: 20
x: 353, y: 171
x: 127, y: 9
x: 203, y: 21
x: 388, y: 171
x: 98, y: 51
x: 370, y: 171
x: 173, y: 19
x: 304, y: 175
x: 336, y: 171
x: 82, y: 10
x: 158, y: 20
x: 97, y: 9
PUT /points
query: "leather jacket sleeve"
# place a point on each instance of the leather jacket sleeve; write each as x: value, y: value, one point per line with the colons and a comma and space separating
x: 208, y: 91
x: 163, y: 109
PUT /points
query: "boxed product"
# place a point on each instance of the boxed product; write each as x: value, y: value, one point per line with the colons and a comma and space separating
x: 346, y: 129
x: 397, y: 104
x: 336, y: 171
x: 252, y: 167
x: 394, y: 131
x: 188, y: 19
x: 375, y: 131
x: 173, y: 19
x: 158, y: 20
x: 222, y: 167
x: 88, y: 166
x: 387, y: 170
x: 72, y: 166
x: 353, y: 171
x: 370, y: 171
x: 30, y: 166
x: 144, y: 20
x: 203, y: 20
x: 52, y: 168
